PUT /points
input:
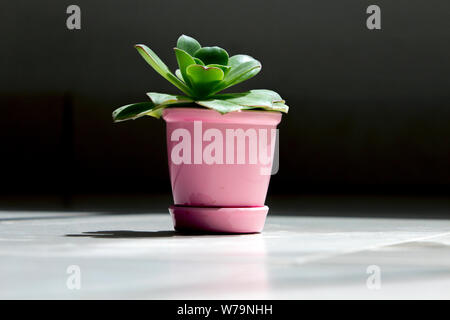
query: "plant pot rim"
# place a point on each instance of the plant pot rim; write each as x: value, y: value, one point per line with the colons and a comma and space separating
x: 189, y: 114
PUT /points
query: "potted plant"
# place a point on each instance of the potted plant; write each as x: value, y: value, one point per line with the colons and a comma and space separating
x: 220, y: 145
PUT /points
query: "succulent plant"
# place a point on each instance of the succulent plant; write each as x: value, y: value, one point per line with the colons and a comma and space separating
x: 203, y: 72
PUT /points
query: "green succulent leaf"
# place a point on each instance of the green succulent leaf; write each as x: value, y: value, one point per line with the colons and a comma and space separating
x: 202, y: 73
x: 162, y: 101
x: 253, y: 99
x: 221, y: 106
x: 159, y: 99
x: 132, y: 111
x: 250, y: 99
x: 243, y: 67
x: 203, y: 79
x: 156, y: 63
x: 278, y: 106
x: 198, y: 61
x: 188, y: 44
x: 225, y: 69
x: 153, y: 108
x: 275, y: 97
x: 184, y: 60
x: 179, y: 75
x: 212, y: 55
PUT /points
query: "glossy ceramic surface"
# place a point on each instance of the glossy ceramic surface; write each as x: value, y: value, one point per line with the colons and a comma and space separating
x: 218, y: 185
x: 222, y: 220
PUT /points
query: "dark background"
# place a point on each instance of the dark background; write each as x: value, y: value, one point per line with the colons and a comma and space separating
x: 369, y: 109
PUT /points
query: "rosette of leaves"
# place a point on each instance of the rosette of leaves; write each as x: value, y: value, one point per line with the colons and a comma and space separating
x: 203, y: 72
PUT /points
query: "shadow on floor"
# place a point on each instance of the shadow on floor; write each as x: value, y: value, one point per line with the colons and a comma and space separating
x: 120, y: 234
x: 123, y: 234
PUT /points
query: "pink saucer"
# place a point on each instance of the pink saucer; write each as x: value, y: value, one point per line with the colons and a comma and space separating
x: 219, y: 220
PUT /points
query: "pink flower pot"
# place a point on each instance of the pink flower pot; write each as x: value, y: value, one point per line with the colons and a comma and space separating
x: 220, y: 161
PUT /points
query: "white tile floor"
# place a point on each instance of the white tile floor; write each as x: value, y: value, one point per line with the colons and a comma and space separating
x: 139, y: 257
